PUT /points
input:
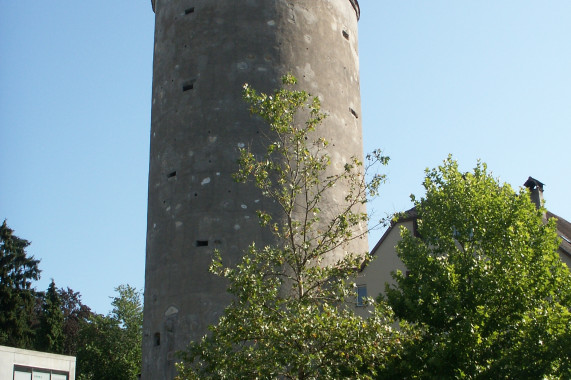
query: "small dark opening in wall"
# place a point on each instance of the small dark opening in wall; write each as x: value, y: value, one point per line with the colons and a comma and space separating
x: 188, y: 86
x: 354, y: 113
x: 171, y: 174
x: 189, y: 10
x: 202, y: 243
x: 346, y: 35
x: 157, y: 339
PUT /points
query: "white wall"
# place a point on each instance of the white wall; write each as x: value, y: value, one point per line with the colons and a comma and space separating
x: 10, y: 356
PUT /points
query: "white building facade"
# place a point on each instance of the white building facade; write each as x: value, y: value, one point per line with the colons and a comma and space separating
x: 19, y: 364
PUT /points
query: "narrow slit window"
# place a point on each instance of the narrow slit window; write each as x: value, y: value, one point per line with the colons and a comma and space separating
x: 346, y: 34
x: 188, y: 86
x: 202, y: 243
x: 171, y: 175
x: 189, y: 10
x: 157, y: 339
x: 354, y: 113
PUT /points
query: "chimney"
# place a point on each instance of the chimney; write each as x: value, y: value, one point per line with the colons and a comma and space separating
x: 535, y: 191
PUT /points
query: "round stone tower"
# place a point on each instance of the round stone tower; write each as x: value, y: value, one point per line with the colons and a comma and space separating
x: 205, y: 51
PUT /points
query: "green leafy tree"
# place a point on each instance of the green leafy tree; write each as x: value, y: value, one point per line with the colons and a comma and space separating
x: 111, y: 345
x: 17, y: 297
x: 50, y: 336
x: 484, y: 283
x: 292, y: 315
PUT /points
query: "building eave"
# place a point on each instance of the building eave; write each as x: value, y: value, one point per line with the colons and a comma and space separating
x: 354, y: 3
x: 407, y: 216
x: 356, y: 7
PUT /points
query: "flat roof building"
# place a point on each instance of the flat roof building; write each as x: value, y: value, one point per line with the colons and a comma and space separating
x: 19, y: 364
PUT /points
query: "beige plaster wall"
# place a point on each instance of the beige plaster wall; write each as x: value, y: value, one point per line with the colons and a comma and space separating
x: 385, y: 261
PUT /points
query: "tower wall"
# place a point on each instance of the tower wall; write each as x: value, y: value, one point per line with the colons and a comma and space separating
x: 205, y: 50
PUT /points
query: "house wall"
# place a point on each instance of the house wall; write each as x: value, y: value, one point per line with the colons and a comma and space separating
x: 385, y: 261
x: 565, y: 258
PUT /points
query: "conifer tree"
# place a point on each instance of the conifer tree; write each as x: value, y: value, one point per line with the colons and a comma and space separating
x: 50, y: 336
x: 17, y: 297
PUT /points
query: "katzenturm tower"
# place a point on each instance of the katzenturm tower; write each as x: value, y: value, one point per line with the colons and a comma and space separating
x: 205, y: 50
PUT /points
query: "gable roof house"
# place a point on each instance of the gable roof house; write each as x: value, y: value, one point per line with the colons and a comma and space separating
x: 376, y: 273
x: 563, y: 226
x: 373, y: 276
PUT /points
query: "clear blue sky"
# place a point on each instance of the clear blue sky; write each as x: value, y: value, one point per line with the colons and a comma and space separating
x: 486, y: 79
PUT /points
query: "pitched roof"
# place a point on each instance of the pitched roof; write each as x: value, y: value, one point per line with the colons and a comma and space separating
x: 564, y: 232
x: 410, y: 214
x: 563, y: 229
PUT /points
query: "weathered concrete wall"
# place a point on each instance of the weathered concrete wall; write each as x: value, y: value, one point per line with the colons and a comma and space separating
x: 205, y: 50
